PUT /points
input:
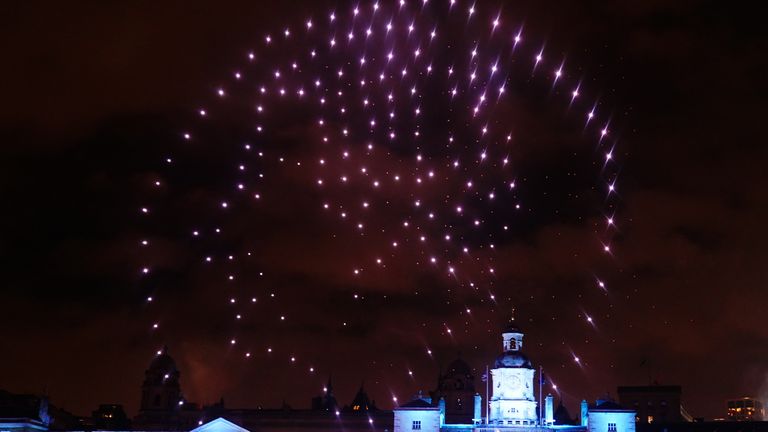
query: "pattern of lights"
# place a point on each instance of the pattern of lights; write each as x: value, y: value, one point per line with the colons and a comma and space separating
x: 408, y: 126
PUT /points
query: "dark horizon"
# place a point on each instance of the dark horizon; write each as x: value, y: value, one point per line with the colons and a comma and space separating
x: 97, y: 96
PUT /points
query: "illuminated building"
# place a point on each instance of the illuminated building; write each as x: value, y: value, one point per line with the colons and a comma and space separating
x: 418, y: 415
x: 454, y: 406
x: 512, y: 403
x: 607, y: 416
x: 746, y: 409
x: 512, y: 400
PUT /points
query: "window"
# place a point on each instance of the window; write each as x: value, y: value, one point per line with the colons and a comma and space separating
x: 611, y: 427
x: 650, y: 419
x: 416, y: 425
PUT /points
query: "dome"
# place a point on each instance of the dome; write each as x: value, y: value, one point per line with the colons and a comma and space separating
x: 163, y: 363
x: 511, y: 327
x: 513, y: 359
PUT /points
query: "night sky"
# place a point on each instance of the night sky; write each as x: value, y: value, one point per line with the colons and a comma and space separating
x: 96, y: 96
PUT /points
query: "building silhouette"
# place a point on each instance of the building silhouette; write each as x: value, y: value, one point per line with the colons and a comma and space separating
x: 457, y: 388
x: 655, y: 403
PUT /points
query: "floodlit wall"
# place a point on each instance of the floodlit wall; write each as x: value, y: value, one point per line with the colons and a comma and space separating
x: 607, y: 421
x: 417, y: 420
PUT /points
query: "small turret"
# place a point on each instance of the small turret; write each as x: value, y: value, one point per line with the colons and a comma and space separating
x: 549, y: 411
x: 477, y: 418
x: 441, y: 405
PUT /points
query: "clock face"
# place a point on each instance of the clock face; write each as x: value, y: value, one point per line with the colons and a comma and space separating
x: 514, y: 382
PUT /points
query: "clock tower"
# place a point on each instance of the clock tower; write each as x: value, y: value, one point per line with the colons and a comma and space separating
x: 512, y: 401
